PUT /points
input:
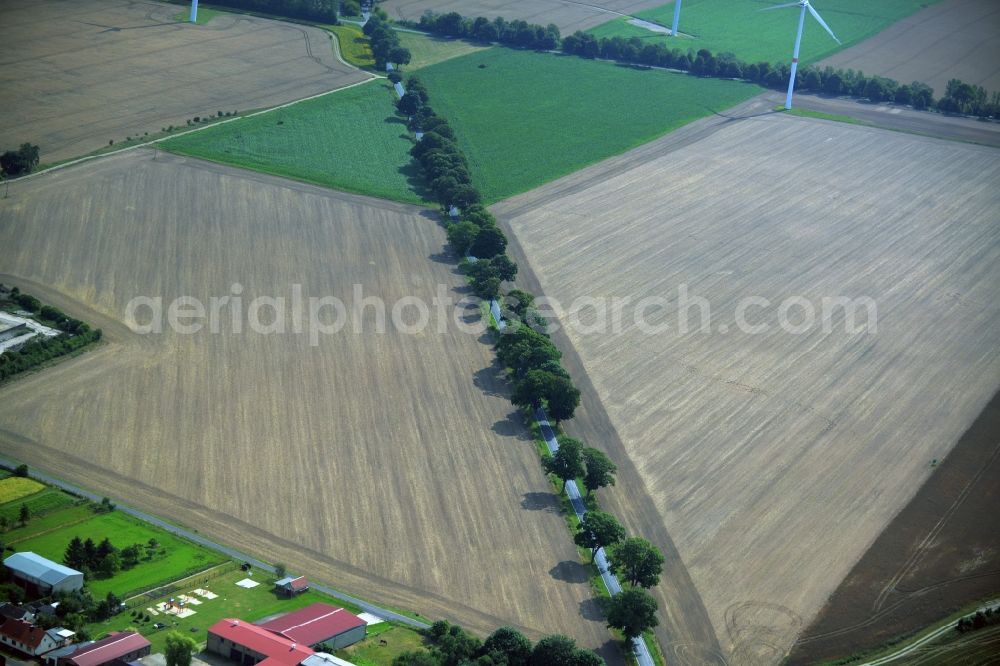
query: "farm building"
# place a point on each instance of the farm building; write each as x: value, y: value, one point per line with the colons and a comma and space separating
x: 247, y: 644
x: 25, y: 637
x: 42, y: 576
x: 52, y: 658
x: 324, y: 659
x: 319, y: 623
x: 123, y: 646
x: 290, y: 586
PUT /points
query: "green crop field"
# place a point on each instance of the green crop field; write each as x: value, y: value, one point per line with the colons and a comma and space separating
x: 569, y: 112
x: 39, y: 504
x: 181, y: 558
x: 739, y: 27
x: 350, y: 140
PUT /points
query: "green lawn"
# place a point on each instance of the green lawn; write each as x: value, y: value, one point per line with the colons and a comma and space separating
x: 737, y: 26
x: 525, y: 118
x: 39, y: 504
x: 181, y: 557
x: 350, y: 140
x: 372, y: 652
x: 53, y: 521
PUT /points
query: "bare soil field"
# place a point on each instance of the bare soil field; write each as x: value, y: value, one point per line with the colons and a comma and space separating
x: 774, y: 460
x: 954, y: 39
x: 569, y: 15
x: 940, y: 552
x: 76, y: 75
x: 384, y: 464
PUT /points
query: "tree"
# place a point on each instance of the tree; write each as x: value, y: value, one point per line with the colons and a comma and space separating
x: 130, y: 555
x: 562, y: 399
x: 633, y: 611
x: 20, y: 161
x: 598, y: 530
x: 461, y: 236
x: 518, y: 302
x: 24, y: 514
x: 109, y: 565
x: 562, y: 651
x: 566, y: 463
x: 600, y: 470
x: 280, y: 570
x: 416, y: 658
x: 179, y: 649
x: 504, y: 266
x: 490, y: 242
x: 530, y: 390
x: 526, y: 349
x: 399, y: 55
x: 511, y: 644
x: 21, y: 470
x: 75, y: 556
x: 638, y: 561
x: 90, y: 553
x: 408, y: 104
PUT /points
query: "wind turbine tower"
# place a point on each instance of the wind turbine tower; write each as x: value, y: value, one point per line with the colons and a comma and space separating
x: 194, y: 11
x: 804, y: 4
x: 677, y: 17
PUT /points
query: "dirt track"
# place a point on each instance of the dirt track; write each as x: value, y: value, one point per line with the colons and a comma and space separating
x: 774, y: 460
x: 569, y: 15
x: 78, y: 74
x: 954, y: 39
x: 385, y: 465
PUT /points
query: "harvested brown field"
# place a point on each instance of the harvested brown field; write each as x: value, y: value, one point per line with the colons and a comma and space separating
x: 76, y: 75
x: 939, y: 553
x: 569, y: 15
x: 384, y: 464
x: 773, y: 460
x: 953, y: 39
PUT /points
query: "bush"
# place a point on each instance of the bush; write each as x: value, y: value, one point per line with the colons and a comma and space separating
x: 20, y: 161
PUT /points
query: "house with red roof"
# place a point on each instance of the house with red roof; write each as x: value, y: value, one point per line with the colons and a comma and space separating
x: 247, y: 644
x: 33, y: 641
x: 319, y: 623
x: 122, y: 646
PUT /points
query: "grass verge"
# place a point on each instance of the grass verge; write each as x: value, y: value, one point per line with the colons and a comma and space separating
x: 354, y: 47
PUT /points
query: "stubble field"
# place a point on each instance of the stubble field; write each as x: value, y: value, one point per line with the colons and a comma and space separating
x: 775, y: 459
x: 569, y: 15
x: 383, y: 464
x: 953, y: 39
x: 76, y: 75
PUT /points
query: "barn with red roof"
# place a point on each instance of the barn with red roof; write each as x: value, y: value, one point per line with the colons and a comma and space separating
x: 247, y: 644
x: 319, y: 623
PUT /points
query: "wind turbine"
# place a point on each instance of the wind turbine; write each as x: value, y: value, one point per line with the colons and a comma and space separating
x: 804, y: 4
x: 194, y: 11
x: 677, y: 17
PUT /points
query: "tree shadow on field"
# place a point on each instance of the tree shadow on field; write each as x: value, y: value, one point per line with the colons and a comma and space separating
x: 394, y: 120
x: 569, y: 571
x: 512, y: 426
x: 592, y: 609
x: 546, y: 502
x: 488, y: 379
x: 415, y: 180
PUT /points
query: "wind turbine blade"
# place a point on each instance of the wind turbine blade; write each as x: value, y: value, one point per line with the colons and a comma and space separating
x: 822, y: 22
x: 790, y: 4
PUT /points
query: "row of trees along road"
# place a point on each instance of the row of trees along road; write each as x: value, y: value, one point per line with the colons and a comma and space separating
x: 959, y: 97
x: 531, y: 359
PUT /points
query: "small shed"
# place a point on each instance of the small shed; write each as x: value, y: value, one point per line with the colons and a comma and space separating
x: 290, y: 586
